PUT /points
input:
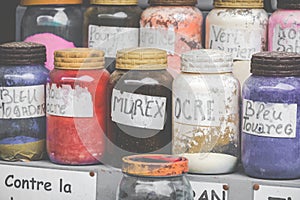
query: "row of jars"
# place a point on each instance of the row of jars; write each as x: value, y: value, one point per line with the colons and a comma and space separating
x: 93, y: 117
x: 238, y: 27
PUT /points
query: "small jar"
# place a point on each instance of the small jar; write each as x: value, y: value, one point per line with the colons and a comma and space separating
x: 56, y: 24
x: 284, y: 32
x: 271, y: 117
x: 140, y: 105
x: 76, y: 100
x: 206, y: 112
x: 111, y: 25
x: 172, y: 25
x: 22, y: 111
x: 156, y: 177
x: 238, y: 27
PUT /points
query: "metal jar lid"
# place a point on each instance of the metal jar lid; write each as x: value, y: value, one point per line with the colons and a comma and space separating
x: 288, y: 4
x: 78, y: 58
x: 154, y: 165
x: 49, y: 2
x: 141, y: 59
x: 206, y: 61
x: 238, y: 3
x: 173, y: 2
x: 22, y: 53
x: 275, y: 64
x: 114, y: 2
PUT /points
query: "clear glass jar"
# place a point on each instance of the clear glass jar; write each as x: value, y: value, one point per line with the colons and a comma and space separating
x: 271, y: 117
x: 157, y: 177
x: 22, y: 114
x: 206, y: 112
x: 284, y: 32
x: 140, y: 105
x: 76, y: 99
x: 56, y: 24
x: 111, y: 25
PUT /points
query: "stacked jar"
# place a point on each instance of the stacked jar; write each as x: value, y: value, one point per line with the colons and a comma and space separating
x: 76, y: 107
x: 174, y: 26
x: 140, y: 105
x: 271, y: 117
x: 206, y: 112
x: 238, y: 27
x: 22, y: 114
x: 111, y: 25
x: 284, y: 31
x: 56, y: 24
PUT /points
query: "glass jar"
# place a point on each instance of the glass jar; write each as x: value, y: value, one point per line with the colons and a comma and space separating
x: 284, y: 32
x: 174, y: 26
x: 206, y: 112
x: 76, y: 99
x: 56, y: 24
x: 111, y: 25
x: 140, y: 105
x: 271, y: 117
x: 22, y: 114
x: 156, y: 177
x: 238, y: 27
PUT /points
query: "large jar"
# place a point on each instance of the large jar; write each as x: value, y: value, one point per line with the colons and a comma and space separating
x: 140, y: 105
x: 76, y: 107
x: 156, y: 177
x: 238, y: 27
x: 271, y: 117
x: 56, y: 24
x: 111, y: 25
x: 22, y: 96
x: 284, y: 32
x: 206, y: 112
x: 174, y: 26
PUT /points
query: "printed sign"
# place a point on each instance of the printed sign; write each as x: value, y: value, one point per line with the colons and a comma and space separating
x: 286, y: 39
x: 276, y: 193
x: 209, y: 191
x: 269, y: 119
x: 19, y: 183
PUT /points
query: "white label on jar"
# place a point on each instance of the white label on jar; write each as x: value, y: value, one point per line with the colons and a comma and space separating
x: 22, y: 102
x: 269, y: 119
x: 198, y: 109
x: 68, y: 102
x: 111, y: 39
x: 209, y: 191
x: 158, y: 38
x: 276, y: 193
x: 138, y: 110
x: 241, y: 43
x: 287, y: 39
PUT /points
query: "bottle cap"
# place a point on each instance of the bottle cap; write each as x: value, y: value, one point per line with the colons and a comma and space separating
x: 275, y: 63
x: 154, y: 165
x: 288, y: 4
x: 78, y: 58
x: 141, y: 59
x: 238, y: 3
x: 49, y: 2
x: 22, y: 53
x: 206, y: 61
x: 114, y: 2
x: 173, y: 2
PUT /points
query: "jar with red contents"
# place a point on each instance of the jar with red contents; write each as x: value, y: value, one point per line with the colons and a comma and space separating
x: 76, y: 107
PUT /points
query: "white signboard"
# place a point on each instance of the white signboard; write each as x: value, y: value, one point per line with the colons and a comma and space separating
x: 19, y: 183
x: 276, y: 193
x: 209, y: 191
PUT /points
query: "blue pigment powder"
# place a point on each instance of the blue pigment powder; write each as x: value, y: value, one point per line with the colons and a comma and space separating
x: 18, y: 140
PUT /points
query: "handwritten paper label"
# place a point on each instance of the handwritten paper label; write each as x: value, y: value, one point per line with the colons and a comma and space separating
x: 111, y: 39
x: 286, y: 39
x: 22, y: 102
x: 209, y: 191
x: 269, y: 119
x: 18, y: 183
x: 68, y: 102
x: 276, y: 193
x: 138, y: 110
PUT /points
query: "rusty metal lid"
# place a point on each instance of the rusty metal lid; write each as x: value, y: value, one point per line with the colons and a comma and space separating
x: 173, y: 2
x: 288, y: 4
x: 238, y: 3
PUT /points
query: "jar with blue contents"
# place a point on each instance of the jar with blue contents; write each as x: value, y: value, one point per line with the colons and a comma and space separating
x: 23, y: 78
